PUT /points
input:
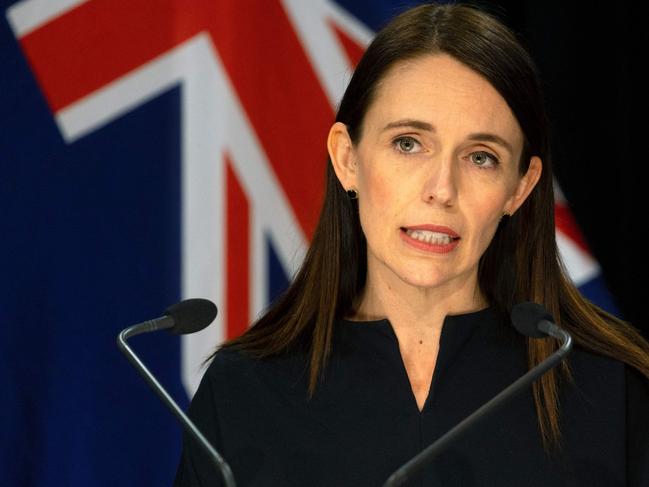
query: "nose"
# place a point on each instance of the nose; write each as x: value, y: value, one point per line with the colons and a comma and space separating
x: 440, y: 185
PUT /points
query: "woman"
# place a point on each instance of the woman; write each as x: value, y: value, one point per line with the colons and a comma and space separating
x: 437, y: 219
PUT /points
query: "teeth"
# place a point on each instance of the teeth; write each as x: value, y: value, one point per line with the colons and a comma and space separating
x: 434, y: 238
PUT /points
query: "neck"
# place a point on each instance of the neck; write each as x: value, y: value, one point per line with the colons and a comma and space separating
x: 417, y: 309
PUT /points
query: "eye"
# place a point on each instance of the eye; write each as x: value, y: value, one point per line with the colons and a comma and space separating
x: 481, y: 159
x: 406, y: 144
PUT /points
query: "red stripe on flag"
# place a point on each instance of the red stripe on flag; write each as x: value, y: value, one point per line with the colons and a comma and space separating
x: 352, y: 48
x: 281, y: 95
x: 565, y: 222
x: 97, y: 42
x: 102, y: 40
x: 237, y: 255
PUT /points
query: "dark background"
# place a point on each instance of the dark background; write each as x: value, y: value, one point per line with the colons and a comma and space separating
x: 591, y: 57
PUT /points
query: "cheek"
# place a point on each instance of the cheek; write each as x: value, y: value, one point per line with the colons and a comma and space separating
x: 378, y: 201
x: 485, y: 210
x: 376, y: 191
x: 373, y: 193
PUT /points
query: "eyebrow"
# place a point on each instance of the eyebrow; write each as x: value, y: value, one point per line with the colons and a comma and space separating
x: 479, y: 137
x: 496, y: 139
x: 418, y: 124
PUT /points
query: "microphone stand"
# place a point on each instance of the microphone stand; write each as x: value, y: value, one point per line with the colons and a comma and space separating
x: 190, y: 427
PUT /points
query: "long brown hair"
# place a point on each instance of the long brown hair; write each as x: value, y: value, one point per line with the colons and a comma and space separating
x: 522, y: 262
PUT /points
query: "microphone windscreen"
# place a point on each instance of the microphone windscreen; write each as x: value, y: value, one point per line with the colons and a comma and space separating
x: 191, y: 315
x: 526, y: 317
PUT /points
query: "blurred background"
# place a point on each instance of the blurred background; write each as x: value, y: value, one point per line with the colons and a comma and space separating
x: 154, y: 151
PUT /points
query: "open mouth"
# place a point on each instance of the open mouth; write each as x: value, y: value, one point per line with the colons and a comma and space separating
x: 430, y: 237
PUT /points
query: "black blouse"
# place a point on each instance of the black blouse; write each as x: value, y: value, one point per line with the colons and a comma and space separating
x: 363, y: 421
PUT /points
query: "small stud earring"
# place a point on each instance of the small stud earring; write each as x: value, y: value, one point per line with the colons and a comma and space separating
x: 352, y: 193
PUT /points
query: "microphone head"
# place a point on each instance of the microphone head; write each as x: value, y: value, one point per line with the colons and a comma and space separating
x: 191, y: 315
x: 526, y: 317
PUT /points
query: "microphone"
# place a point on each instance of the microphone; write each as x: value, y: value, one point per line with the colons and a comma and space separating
x: 188, y: 316
x: 529, y: 319
x: 533, y: 320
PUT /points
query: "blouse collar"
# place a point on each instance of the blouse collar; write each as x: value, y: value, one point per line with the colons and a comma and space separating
x: 457, y: 330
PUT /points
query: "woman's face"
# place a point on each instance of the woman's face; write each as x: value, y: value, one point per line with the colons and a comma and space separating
x: 435, y: 169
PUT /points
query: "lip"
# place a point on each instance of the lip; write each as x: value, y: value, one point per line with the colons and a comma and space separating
x: 434, y: 228
x: 426, y: 247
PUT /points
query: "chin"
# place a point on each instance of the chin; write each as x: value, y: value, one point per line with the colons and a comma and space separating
x: 422, y: 279
x: 421, y: 273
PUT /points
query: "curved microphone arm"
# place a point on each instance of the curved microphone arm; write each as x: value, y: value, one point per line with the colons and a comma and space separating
x: 153, y: 325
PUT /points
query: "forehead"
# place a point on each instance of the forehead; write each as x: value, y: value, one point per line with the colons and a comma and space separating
x: 440, y: 90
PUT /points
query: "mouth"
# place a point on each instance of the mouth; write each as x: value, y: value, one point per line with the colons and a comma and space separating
x: 437, y: 239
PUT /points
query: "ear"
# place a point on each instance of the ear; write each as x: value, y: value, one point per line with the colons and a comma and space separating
x: 525, y: 186
x: 341, y: 152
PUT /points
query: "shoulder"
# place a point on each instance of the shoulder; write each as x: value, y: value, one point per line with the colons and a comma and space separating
x: 227, y: 359
x: 598, y: 369
x: 637, y: 383
x: 637, y: 427
x: 637, y: 399
x: 601, y: 390
x: 596, y: 375
x: 584, y: 361
x: 228, y: 364
x: 232, y: 369
x: 609, y: 389
x: 607, y: 403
